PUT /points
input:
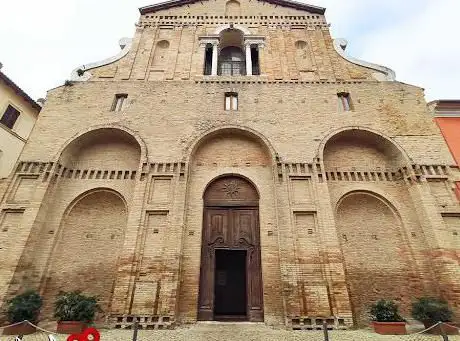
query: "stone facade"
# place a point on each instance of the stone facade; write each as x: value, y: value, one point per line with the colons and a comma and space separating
x: 356, y: 199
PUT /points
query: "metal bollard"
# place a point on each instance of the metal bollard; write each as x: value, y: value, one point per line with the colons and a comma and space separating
x: 326, y: 333
x: 136, y: 327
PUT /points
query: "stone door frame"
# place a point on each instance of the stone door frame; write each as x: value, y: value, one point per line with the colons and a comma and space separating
x: 231, y: 198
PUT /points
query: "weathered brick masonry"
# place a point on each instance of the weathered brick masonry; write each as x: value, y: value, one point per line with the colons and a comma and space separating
x: 354, y: 205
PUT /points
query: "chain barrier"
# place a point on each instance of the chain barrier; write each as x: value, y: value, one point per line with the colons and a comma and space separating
x: 46, y: 335
x: 40, y: 334
x: 425, y: 335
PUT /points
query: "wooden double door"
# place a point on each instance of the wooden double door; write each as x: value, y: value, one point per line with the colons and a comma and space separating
x: 231, y: 276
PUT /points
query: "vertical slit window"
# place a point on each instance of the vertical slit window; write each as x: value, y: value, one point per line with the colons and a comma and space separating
x: 231, y: 101
x: 119, y: 102
x: 344, y: 101
x: 255, y: 61
x: 208, y: 60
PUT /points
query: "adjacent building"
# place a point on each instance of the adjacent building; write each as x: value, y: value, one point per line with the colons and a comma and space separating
x: 18, y: 113
x: 447, y: 116
x: 233, y: 162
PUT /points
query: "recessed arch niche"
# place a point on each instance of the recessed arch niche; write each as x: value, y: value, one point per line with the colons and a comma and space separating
x: 376, y: 255
x: 104, y: 148
x: 359, y: 149
x: 232, y: 8
x: 303, y: 56
x: 216, y: 154
x: 160, y: 60
x: 230, y: 147
x: 89, y: 241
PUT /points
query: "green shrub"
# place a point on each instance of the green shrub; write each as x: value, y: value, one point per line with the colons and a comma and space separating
x: 74, y: 306
x: 431, y: 309
x: 385, y: 311
x: 24, y: 307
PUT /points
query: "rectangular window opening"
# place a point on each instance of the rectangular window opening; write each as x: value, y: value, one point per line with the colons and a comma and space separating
x: 10, y: 116
x: 208, y: 60
x: 119, y: 102
x: 255, y: 61
x: 231, y: 101
x: 344, y: 101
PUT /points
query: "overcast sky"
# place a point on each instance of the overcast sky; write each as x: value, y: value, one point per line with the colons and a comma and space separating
x: 42, y: 41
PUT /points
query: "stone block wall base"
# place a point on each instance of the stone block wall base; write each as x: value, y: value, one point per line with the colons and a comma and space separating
x: 148, y: 322
x: 316, y: 323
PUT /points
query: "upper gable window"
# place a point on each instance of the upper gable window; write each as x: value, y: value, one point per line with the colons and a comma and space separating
x: 119, y: 102
x: 302, y: 55
x: 160, y: 55
x: 10, y: 116
x: 344, y: 101
x: 232, y: 8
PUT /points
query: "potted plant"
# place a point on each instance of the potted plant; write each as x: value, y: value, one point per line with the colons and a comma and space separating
x: 430, y: 311
x: 22, y: 308
x: 74, y: 311
x: 386, y: 319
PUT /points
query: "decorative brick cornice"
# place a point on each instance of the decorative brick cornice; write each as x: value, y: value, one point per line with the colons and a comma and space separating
x: 284, y: 3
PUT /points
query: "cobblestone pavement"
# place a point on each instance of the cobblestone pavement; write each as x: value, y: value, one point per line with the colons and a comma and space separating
x: 242, y: 332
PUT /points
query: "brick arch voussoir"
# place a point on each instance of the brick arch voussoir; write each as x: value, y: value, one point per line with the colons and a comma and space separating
x: 84, y: 194
x: 193, y: 146
x: 384, y: 197
x: 135, y: 135
x: 225, y: 175
x: 241, y: 28
x: 332, y: 133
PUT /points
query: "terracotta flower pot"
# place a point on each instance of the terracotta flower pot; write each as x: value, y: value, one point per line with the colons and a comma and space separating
x: 23, y: 328
x: 448, y: 328
x: 390, y: 328
x: 70, y: 327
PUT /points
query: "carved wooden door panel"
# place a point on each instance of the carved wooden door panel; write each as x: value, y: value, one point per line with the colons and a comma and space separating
x: 247, y: 236
x: 231, y: 222
x: 216, y: 222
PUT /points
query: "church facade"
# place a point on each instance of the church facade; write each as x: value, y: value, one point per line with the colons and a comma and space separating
x: 232, y: 162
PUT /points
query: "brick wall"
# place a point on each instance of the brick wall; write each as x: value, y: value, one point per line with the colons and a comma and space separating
x: 93, y: 230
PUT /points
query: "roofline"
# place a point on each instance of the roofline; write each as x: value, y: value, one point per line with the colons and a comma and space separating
x: 445, y: 107
x: 288, y: 3
x: 445, y: 104
x: 443, y: 101
x: 20, y: 92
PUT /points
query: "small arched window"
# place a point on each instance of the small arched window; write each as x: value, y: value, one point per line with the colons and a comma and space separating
x: 232, y: 61
x: 232, y: 8
x: 303, y: 57
x: 160, y: 55
x: 301, y: 45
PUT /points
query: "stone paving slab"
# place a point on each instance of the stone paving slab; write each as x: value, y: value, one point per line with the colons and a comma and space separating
x: 240, y: 332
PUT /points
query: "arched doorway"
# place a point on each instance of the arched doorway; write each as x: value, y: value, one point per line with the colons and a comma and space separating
x: 231, y: 276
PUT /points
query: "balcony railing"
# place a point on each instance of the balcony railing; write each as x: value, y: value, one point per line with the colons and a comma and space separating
x: 232, y: 68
